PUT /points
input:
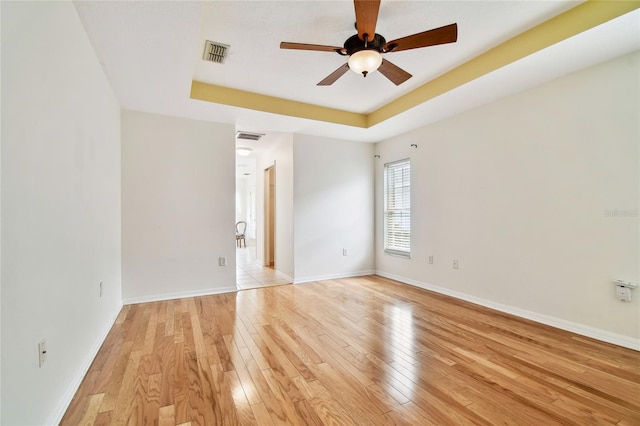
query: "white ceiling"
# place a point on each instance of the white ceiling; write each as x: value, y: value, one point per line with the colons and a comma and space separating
x: 151, y: 51
x: 257, y: 64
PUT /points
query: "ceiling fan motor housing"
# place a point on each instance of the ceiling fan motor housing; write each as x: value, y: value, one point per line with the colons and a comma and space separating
x: 354, y: 44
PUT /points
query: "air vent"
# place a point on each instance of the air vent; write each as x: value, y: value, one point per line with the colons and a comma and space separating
x: 249, y: 136
x: 215, y: 52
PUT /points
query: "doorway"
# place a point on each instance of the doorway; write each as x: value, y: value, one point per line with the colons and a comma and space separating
x: 252, y: 273
x: 269, y: 216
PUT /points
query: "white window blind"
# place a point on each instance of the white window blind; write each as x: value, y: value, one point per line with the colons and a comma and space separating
x: 397, y: 208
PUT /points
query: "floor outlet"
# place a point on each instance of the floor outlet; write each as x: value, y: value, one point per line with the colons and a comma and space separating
x: 42, y: 352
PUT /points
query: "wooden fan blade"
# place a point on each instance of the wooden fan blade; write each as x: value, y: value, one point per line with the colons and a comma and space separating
x: 393, y: 72
x: 304, y: 46
x: 366, y: 17
x: 331, y: 78
x: 442, y: 35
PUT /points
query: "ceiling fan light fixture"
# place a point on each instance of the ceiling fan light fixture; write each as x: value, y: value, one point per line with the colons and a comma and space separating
x: 244, y: 151
x: 365, y: 61
x: 365, y: 52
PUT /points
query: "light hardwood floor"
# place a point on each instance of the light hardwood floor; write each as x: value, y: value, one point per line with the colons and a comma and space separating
x: 352, y: 351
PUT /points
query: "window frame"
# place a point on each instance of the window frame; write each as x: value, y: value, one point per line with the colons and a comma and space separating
x: 393, y: 243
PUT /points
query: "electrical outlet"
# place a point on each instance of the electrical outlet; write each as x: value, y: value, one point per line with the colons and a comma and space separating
x: 455, y: 264
x: 623, y: 293
x: 100, y: 288
x: 222, y: 261
x: 345, y: 252
x: 42, y: 352
x: 430, y: 260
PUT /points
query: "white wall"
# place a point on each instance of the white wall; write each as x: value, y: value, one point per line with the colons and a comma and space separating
x: 521, y: 192
x: 333, y: 208
x: 250, y: 195
x: 241, y: 199
x: 60, y: 208
x: 0, y: 226
x: 280, y: 153
x: 178, y: 207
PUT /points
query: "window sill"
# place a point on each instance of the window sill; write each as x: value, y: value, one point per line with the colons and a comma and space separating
x: 395, y: 253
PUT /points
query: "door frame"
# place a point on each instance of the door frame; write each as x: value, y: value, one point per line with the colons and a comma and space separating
x: 270, y: 216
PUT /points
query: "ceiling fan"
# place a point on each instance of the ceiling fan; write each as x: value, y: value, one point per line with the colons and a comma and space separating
x: 365, y: 49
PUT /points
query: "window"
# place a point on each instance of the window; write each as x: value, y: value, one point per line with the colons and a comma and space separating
x: 397, y: 208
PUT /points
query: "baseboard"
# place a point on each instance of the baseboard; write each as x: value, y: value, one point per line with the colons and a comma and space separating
x: 334, y: 276
x: 581, y: 329
x: 178, y: 295
x: 65, y: 401
x: 284, y: 276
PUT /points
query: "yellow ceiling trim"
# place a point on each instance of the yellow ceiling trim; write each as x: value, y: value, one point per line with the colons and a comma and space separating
x: 576, y: 20
x: 272, y: 104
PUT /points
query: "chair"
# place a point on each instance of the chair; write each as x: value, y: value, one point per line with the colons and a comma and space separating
x: 241, y: 228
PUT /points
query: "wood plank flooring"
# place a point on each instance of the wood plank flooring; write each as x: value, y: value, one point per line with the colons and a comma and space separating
x: 349, y: 352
